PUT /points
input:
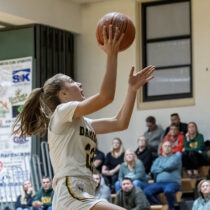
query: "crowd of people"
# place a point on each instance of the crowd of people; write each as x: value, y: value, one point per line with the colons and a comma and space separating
x: 161, y: 156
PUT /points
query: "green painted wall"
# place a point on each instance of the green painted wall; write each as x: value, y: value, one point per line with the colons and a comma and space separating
x: 16, y: 43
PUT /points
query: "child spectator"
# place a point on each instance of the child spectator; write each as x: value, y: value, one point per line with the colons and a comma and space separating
x: 175, y: 137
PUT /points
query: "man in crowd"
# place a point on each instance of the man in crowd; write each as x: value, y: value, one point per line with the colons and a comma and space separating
x: 131, y: 197
x: 43, y: 198
x: 175, y: 119
x: 154, y: 134
x: 167, y: 173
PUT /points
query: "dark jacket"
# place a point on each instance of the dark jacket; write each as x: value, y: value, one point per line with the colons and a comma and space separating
x: 45, y: 197
x: 133, y: 200
x: 146, y: 157
x: 28, y: 203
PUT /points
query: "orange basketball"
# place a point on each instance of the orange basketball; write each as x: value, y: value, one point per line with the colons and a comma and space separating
x: 121, y: 21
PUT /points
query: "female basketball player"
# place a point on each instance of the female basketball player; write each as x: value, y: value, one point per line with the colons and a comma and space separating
x: 60, y: 107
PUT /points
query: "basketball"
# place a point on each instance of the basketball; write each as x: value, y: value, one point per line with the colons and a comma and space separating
x: 121, y: 21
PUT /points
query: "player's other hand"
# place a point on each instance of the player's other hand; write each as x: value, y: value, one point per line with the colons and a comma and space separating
x: 138, y: 79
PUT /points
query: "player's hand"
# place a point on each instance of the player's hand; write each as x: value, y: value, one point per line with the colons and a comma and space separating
x: 111, y: 41
x: 138, y: 79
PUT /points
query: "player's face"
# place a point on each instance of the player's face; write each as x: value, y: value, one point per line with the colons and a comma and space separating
x: 72, y: 91
x: 126, y: 185
x: 192, y: 128
x: 205, y: 188
x: 97, y: 179
x: 167, y: 148
x: 174, y: 131
x: 46, y: 184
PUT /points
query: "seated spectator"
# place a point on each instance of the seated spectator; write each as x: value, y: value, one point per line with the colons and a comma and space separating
x: 24, y: 201
x: 175, y: 119
x: 131, y: 197
x: 194, y: 155
x: 166, y: 170
x: 144, y: 153
x: 153, y: 135
x: 102, y: 191
x: 175, y: 137
x: 203, y: 202
x: 43, y: 198
x: 133, y: 169
x: 112, y: 162
x: 98, y: 160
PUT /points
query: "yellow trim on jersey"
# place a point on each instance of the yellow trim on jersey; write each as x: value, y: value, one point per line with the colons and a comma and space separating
x: 72, y: 193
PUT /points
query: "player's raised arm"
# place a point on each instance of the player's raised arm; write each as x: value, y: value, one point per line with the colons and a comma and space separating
x: 107, y: 90
x: 122, y: 119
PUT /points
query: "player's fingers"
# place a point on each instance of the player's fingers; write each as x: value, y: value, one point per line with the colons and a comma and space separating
x: 120, y: 39
x: 110, y: 32
x: 116, y: 34
x: 131, y: 71
x: 104, y: 34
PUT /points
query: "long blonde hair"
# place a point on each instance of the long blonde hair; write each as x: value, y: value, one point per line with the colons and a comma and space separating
x: 121, y: 147
x: 41, y: 103
x: 23, y: 194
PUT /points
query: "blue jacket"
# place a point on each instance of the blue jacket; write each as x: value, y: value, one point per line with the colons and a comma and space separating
x: 167, y: 169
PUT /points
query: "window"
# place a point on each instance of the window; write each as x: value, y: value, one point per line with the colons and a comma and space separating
x: 166, y: 41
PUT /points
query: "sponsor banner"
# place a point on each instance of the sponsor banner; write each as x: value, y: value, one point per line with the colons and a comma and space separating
x: 15, y: 153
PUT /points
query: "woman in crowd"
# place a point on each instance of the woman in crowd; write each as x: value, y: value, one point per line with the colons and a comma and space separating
x: 132, y: 168
x: 24, y: 201
x: 194, y: 154
x: 110, y: 169
x: 175, y: 137
x: 203, y: 202
x: 144, y: 153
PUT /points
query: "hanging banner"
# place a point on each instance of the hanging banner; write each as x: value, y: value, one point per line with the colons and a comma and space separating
x: 15, y: 86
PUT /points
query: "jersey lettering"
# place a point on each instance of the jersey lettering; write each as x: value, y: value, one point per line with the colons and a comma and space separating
x: 90, y: 151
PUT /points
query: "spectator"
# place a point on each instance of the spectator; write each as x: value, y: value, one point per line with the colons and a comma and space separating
x: 98, y: 160
x: 102, y: 191
x: 175, y: 137
x: 112, y: 163
x: 154, y: 134
x: 24, y: 201
x: 133, y: 169
x: 176, y: 119
x: 144, y: 153
x: 203, y: 202
x: 166, y: 170
x: 131, y: 197
x: 43, y: 198
x: 194, y: 154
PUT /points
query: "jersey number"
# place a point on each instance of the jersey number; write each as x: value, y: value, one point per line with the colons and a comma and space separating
x: 89, y: 156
